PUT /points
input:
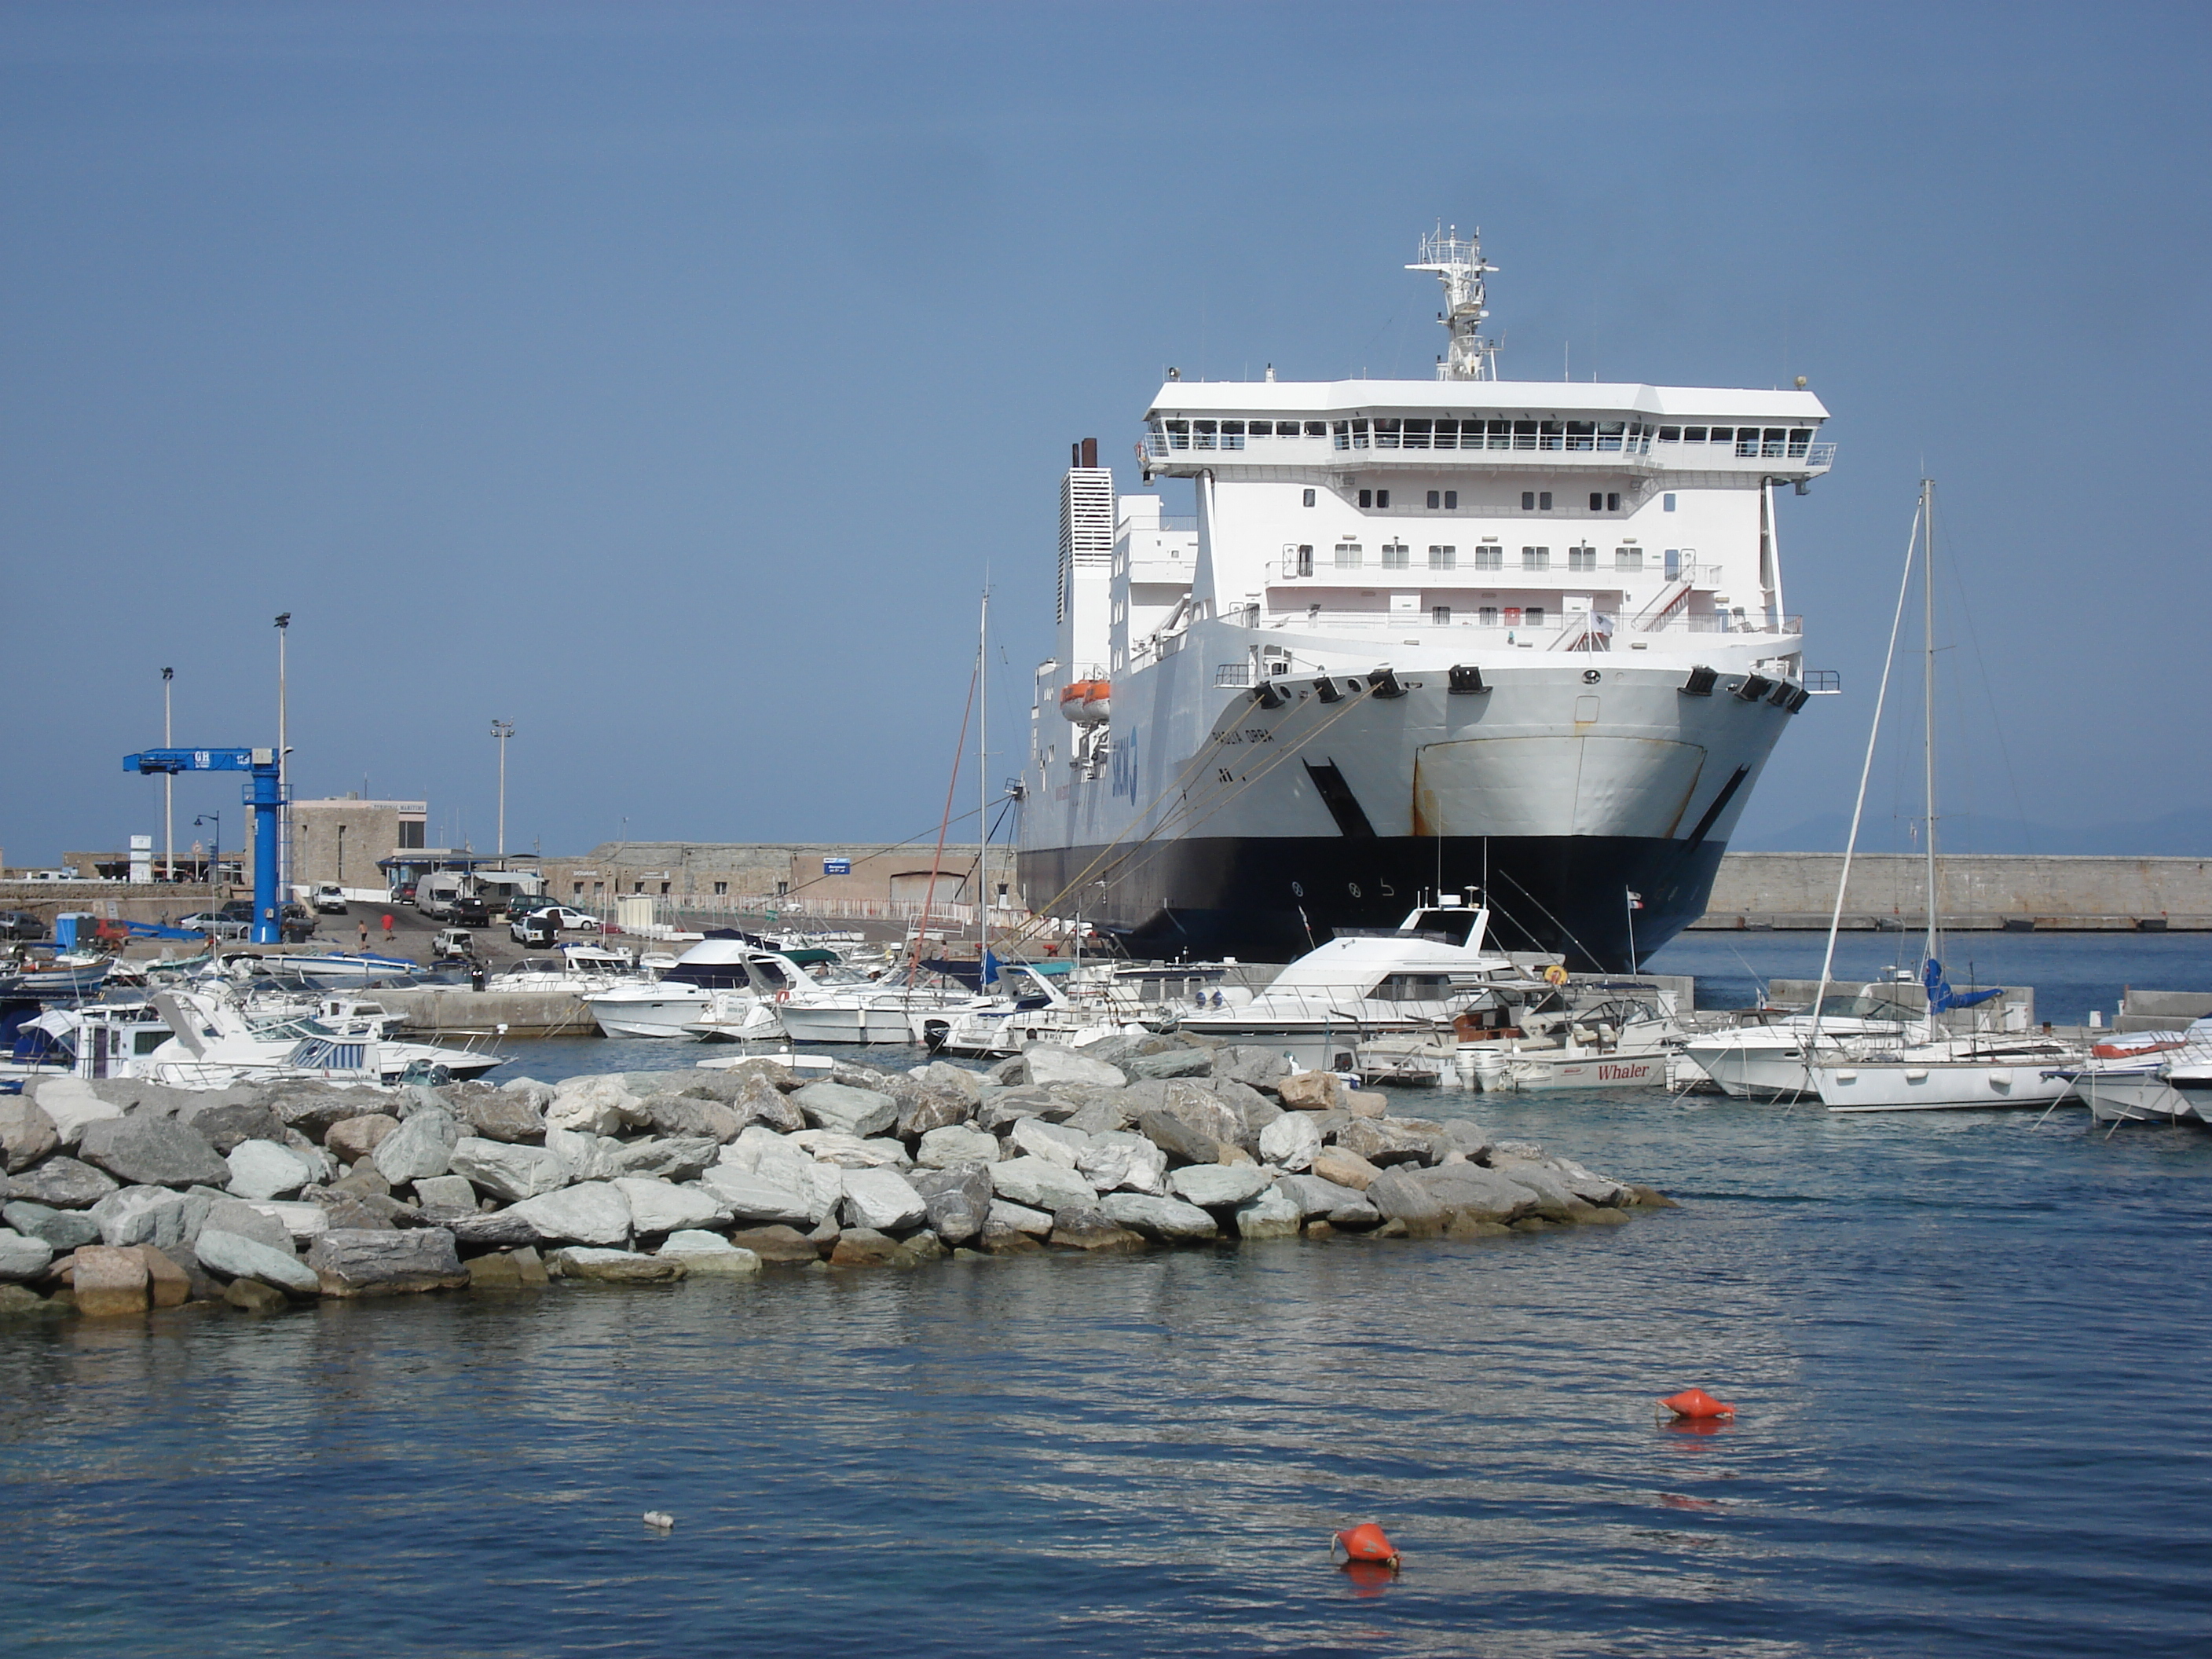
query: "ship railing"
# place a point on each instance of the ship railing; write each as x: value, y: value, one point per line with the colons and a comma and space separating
x: 1530, y: 624
x: 1179, y: 437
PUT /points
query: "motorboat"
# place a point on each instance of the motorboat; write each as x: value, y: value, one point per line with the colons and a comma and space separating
x: 579, y: 969
x: 1032, y: 1005
x: 2147, y: 1077
x: 212, y: 1044
x: 1763, y: 1055
x: 893, y: 1009
x: 726, y: 987
x: 1373, y: 983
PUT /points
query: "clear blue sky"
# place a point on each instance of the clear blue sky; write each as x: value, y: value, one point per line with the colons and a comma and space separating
x: 665, y: 378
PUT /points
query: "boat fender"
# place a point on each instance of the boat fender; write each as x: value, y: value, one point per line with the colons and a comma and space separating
x: 784, y: 995
x: 1365, y: 1543
x: 1695, y: 1403
x: 1555, y: 975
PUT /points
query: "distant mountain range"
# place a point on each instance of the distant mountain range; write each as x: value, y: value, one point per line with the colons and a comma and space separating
x: 2183, y: 833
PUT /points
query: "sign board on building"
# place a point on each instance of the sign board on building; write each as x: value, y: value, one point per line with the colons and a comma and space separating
x: 837, y: 866
x: 142, y: 858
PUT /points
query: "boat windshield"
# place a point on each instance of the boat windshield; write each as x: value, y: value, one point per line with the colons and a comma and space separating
x: 1412, y: 988
x: 1454, y: 924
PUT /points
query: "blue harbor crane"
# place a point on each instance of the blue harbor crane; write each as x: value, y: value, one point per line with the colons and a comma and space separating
x: 264, y: 793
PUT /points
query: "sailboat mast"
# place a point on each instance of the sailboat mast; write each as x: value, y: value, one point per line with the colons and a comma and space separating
x: 1928, y: 695
x: 983, y: 798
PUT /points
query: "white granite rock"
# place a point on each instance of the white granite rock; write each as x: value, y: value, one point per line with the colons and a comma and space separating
x: 591, y: 1213
x: 1119, y: 1159
x: 595, y: 1105
x: 508, y: 1171
x: 1022, y: 1218
x: 1215, y: 1186
x: 588, y: 1157
x: 1272, y: 1214
x: 71, y: 1103
x: 1054, y: 1142
x: 22, y: 1258
x: 883, y: 1199
x: 1158, y: 1218
x: 299, y: 1220
x: 242, y: 1258
x: 941, y: 1148
x: 422, y: 1146
x: 1054, y: 1062
x: 263, y: 1169
x: 149, y: 1215
x: 859, y: 1112
x: 1041, y: 1185
x: 662, y: 1207
x: 709, y: 1255
x: 758, y: 1201
x: 1291, y: 1141
x: 851, y: 1152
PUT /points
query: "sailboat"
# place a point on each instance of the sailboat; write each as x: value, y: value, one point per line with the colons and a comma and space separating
x: 1933, y: 1067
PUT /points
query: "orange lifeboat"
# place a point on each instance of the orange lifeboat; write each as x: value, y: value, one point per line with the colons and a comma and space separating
x: 1085, y: 702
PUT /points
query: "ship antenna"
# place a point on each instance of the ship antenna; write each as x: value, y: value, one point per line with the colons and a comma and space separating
x: 1458, y: 264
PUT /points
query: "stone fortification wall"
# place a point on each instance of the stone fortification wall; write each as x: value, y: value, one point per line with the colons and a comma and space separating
x: 1990, y: 890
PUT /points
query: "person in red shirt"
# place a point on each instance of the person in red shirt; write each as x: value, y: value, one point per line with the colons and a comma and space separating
x: 387, y: 929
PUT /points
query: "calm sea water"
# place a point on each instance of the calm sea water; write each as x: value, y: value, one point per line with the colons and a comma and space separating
x: 1970, y: 1353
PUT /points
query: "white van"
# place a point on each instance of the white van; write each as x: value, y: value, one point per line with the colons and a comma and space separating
x: 435, y: 893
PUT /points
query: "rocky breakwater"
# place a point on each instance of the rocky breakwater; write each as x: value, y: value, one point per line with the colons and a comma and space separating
x: 118, y: 1196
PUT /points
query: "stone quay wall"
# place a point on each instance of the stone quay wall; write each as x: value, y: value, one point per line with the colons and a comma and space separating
x: 1977, y: 891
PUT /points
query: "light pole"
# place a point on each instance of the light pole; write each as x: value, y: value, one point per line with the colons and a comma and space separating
x: 284, y: 771
x: 168, y: 787
x: 502, y: 730
x: 215, y: 857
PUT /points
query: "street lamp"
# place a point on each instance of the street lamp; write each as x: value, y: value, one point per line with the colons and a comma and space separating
x: 502, y: 730
x: 168, y: 787
x: 215, y: 857
x: 283, y: 770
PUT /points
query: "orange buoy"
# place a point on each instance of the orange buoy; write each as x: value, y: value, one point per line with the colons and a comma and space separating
x: 1696, y: 1403
x: 1366, y: 1543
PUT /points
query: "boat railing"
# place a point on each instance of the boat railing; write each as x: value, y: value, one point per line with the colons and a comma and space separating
x: 1534, y: 627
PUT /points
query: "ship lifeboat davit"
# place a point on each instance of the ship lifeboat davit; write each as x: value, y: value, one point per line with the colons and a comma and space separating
x: 1086, y: 702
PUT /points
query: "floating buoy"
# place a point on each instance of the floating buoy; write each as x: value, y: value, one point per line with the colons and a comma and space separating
x: 1695, y: 1403
x: 659, y: 1520
x: 1366, y: 1544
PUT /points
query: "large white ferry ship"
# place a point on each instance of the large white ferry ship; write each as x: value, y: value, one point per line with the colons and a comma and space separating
x: 1420, y: 636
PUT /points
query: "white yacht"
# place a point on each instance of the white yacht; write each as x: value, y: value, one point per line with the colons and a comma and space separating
x: 1413, y: 979
x: 2147, y: 1077
x: 1528, y: 636
x: 213, y: 1045
x: 719, y: 987
x: 580, y: 969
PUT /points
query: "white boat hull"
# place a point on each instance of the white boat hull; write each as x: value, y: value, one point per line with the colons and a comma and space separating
x: 1935, y: 1086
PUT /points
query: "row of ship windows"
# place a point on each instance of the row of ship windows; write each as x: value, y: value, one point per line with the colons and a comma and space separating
x: 1532, y: 500
x: 1397, y: 555
x: 1632, y: 437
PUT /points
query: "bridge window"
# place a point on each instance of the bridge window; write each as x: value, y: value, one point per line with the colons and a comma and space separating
x: 1694, y: 434
x: 1347, y: 556
x: 1535, y: 558
x: 1443, y: 558
x: 1436, y: 500
x: 1581, y: 558
x: 1416, y: 435
x: 1318, y: 429
x: 1451, y: 500
x: 1628, y: 558
x: 1723, y: 434
x: 1367, y: 498
x: 1670, y: 434
x: 1490, y: 556
x: 1382, y: 498
x: 1393, y: 555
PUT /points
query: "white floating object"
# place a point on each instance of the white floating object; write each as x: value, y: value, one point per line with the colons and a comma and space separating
x: 659, y: 1520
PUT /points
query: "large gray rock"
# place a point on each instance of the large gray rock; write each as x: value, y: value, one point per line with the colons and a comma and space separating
x: 1169, y: 1218
x: 689, y: 1118
x: 1174, y: 1062
x: 1176, y: 1140
x: 1003, y: 1108
x: 662, y: 1207
x: 954, y: 1079
x: 1092, y: 1230
x: 706, y: 1255
x: 1552, y: 1197
x: 1478, y: 1194
x: 859, y: 1112
x: 1040, y: 1185
x: 1055, y: 1143
x: 64, y: 1230
x: 757, y: 1100
x: 1311, y: 1092
x: 1017, y: 1218
x: 1219, y: 1186
x: 509, y: 1173
x: 21, y: 1257
x: 957, y: 1144
x: 618, y: 1266
x: 315, y: 1108
x: 501, y: 1230
x: 229, y: 1124
x: 594, y: 1105
x: 1345, y: 1169
x: 507, y: 1114
x: 27, y: 1133
x: 445, y: 1193
x: 959, y: 1198
x: 152, y: 1152
x: 1566, y: 1183
x: 356, y: 1138
x: 589, y: 1157
x: 148, y: 1215
x: 593, y: 1213
x: 775, y: 1159
x: 71, y: 1103
x: 883, y: 1200
x: 265, y: 1168
x: 1291, y: 1141
x: 1386, y: 1142
x: 851, y: 1152
x: 65, y: 1183
x: 253, y: 1221
x: 1345, y: 1207
x: 1252, y: 1108
x: 1401, y: 1195
x: 1117, y: 1159
x: 1096, y: 1110
x: 1272, y: 1214
x: 1255, y: 1068
x: 679, y: 1158
x: 1054, y: 1062
x: 422, y: 1146
x: 301, y: 1219
x: 235, y: 1257
x: 757, y: 1202
x: 929, y: 1108
x: 350, y: 1263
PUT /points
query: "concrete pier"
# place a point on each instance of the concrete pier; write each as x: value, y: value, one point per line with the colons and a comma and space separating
x: 2019, y: 892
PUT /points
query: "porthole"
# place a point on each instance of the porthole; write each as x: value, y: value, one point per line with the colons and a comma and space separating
x: 1352, y: 888
x: 1298, y: 889
x: 1591, y: 677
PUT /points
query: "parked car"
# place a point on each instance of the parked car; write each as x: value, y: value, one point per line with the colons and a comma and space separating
x: 467, y: 910
x: 330, y: 899
x: 454, y: 944
x: 535, y: 929
x: 567, y: 919
x: 21, y: 924
x: 214, y: 921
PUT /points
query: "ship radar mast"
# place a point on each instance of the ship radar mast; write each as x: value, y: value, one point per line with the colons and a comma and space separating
x: 1458, y: 264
